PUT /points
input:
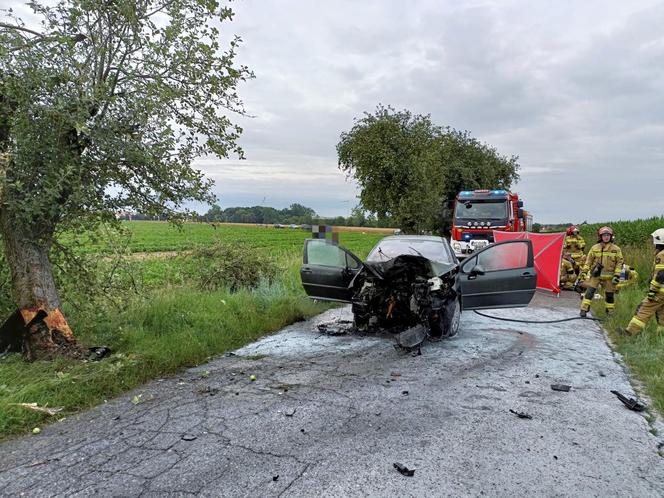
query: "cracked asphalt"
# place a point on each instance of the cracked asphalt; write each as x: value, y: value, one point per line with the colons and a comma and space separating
x: 329, y: 415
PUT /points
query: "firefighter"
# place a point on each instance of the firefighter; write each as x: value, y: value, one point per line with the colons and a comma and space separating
x: 574, y: 246
x: 653, y: 303
x: 567, y: 273
x: 602, y: 267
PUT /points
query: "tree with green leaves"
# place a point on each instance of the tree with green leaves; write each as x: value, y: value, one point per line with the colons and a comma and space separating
x: 103, y: 107
x: 410, y: 169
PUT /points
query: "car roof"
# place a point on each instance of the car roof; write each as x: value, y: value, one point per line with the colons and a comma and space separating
x: 431, y: 238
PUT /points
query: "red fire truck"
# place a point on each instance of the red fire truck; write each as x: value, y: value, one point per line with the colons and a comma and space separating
x: 477, y: 213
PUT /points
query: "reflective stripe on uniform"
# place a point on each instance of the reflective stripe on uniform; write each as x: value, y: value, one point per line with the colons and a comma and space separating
x: 659, y: 267
x: 638, y: 323
x: 610, y: 306
x: 587, y: 302
x: 655, y: 283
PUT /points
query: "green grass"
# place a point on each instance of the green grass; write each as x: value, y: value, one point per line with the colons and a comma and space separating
x: 153, y: 236
x: 167, y: 325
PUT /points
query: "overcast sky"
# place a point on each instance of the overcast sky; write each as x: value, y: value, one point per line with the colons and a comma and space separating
x: 576, y: 89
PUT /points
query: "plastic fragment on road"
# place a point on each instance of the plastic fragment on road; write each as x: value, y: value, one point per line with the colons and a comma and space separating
x: 630, y: 403
x: 37, y: 408
x: 188, y: 437
x: 561, y: 387
x: 411, y: 339
x: 403, y: 470
x: 521, y: 414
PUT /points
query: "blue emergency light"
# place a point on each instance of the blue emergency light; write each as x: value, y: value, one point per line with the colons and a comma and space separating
x: 465, y: 193
x: 498, y: 192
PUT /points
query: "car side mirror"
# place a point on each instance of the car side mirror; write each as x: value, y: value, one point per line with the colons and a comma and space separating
x: 477, y: 270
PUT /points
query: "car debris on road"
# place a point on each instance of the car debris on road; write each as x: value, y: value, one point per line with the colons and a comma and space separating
x: 630, y: 403
x: 403, y: 470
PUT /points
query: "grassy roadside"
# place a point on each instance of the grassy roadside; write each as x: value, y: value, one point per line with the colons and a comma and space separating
x: 644, y: 354
x: 175, y: 329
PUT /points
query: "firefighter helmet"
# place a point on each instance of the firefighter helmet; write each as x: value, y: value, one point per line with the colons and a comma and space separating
x: 572, y: 230
x: 658, y: 237
x: 604, y: 230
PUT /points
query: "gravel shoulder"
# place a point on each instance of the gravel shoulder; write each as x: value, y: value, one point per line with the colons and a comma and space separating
x: 329, y: 415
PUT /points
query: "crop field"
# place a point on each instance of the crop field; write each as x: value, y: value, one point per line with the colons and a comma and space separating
x: 154, y: 236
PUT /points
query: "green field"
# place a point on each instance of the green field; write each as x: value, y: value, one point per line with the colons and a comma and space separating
x: 154, y: 315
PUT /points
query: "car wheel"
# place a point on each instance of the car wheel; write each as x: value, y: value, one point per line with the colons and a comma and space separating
x: 456, y: 319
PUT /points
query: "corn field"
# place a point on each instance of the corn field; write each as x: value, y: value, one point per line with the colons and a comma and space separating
x: 628, y: 233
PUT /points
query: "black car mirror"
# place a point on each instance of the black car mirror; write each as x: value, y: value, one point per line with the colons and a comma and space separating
x: 477, y: 270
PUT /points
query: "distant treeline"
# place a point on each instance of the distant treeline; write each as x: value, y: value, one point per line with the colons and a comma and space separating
x: 294, y: 214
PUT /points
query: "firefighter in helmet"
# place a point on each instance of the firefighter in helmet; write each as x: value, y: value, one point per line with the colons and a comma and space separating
x: 567, y: 273
x: 574, y: 246
x: 602, y: 267
x: 653, y: 304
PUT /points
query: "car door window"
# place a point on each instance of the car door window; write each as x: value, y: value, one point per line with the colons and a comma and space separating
x: 320, y: 252
x: 503, y: 257
x: 351, y: 262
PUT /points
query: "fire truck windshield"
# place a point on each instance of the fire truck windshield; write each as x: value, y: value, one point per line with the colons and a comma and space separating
x: 481, y: 210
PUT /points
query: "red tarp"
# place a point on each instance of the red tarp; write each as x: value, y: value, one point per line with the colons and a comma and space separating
x: 547, y: 249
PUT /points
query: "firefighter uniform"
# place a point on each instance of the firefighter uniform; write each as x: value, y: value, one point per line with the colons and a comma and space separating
x: 602, y: 267
x: 653, y: 303
x: 575, y: 247
x: 567, y: 274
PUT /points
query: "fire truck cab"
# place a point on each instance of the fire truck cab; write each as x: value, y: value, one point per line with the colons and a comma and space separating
x: 477, y: 213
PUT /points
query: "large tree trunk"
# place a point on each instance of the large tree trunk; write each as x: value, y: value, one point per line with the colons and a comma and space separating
x: 34, y: 290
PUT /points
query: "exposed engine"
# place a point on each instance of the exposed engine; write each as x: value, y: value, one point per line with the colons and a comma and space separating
x: 404, y: 292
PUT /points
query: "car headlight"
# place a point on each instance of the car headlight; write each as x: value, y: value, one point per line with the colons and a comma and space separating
x: 456, y: 246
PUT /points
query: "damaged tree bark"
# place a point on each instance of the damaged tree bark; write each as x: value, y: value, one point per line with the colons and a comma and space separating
x: 34, y: 290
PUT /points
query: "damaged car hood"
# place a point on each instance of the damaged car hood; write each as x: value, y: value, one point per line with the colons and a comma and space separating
x: 395, y: 267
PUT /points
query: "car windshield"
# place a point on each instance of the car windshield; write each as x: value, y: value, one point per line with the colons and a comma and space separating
x: 481, y: 210
x: 389, y: 249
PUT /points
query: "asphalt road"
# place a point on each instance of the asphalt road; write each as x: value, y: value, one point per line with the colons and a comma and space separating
x: 330, y: 415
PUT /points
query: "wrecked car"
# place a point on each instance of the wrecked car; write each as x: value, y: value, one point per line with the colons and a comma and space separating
x: 416, y: 283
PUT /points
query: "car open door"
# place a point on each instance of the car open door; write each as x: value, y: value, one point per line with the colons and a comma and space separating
x: 327, y: 270
x: 499, y: 276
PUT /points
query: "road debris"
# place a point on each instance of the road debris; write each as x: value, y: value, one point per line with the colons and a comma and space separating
x: 189, y: 437
x: 403, y: 470
x: 630, y: 403
x: 252, y: 377
x: 411, y: 339
x: 98, y: 353
x: 290, y: 413
x: 212, y: 391
x: 37, y: 408
x: 521, y: 414
x: 275, y: 478
x: 340, y: 327
x: 561, y: 387
x: 36, y: 430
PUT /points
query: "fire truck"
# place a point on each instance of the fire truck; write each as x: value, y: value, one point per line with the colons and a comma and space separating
x: 477, y: 213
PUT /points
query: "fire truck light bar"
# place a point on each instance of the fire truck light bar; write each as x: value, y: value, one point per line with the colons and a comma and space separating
x: 470, y: 193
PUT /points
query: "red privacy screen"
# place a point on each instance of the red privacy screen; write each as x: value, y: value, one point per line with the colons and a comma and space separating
x: 547, y: 249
